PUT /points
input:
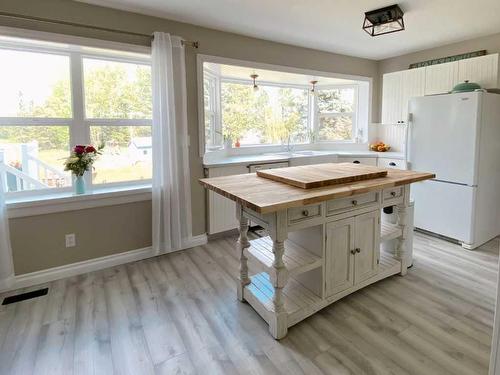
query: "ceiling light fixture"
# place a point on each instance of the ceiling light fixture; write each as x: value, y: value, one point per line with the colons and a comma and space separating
x: 384, y: 21
x: 254, y: 77
x: 313, y: 88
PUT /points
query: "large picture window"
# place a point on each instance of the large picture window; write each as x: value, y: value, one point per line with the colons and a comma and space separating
x: 270, y: 115
x: 55, y: 96
x: 245, y: 107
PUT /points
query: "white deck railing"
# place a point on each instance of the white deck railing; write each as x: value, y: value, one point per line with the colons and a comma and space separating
x: 34, y: 173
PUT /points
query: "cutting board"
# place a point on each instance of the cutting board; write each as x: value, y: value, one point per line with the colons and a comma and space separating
x: 320, y: 175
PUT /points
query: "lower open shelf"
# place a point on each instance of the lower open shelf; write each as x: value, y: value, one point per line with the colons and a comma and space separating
x: 300, y: 302
x: 296, y: 296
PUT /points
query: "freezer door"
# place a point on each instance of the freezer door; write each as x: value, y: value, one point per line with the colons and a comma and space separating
x: 443, y: 136
x: 445, y: 209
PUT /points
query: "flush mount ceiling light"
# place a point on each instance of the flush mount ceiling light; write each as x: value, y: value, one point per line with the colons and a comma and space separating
x: 254, y: 77
x: 384, y: 21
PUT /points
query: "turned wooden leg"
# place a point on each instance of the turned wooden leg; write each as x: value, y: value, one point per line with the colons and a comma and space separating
x: 242, y: 244
x: 402, y: 251
x: 278, y: 324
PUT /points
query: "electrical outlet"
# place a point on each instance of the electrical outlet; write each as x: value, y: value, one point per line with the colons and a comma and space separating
x: 70, y: 240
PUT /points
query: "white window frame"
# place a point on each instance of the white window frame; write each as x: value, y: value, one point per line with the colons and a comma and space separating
x: 79, y: 125
x: 367, y: 81
x: 353, y: 114
x: 215, y: 106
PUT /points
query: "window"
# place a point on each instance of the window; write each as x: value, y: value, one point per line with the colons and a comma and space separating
x: 283, y: 108
x: 270, y: 115
x: 213, y: 130
x: 336, y: 114
x: 55, y: 96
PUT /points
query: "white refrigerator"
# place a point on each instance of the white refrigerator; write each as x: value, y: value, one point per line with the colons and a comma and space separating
x: 457, y: 137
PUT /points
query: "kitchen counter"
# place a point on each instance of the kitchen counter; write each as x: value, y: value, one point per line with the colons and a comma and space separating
x: 227, y: 160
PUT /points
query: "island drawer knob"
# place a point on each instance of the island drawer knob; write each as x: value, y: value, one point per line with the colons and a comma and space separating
x: 392, y: 164
x: 393, y: 193
x: 358, y: 250
x: 355, y: 202
x: 353, y: 252
x: 305, y: 213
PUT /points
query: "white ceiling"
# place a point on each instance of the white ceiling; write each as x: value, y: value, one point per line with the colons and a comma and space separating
x: 265, y: 75
x: 330, y: 25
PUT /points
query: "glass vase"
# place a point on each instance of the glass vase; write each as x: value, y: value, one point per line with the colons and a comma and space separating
x: 79, y: 185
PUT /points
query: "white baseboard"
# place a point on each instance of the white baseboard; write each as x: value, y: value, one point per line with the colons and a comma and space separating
x: 73, y: 269
x: 194, y: 241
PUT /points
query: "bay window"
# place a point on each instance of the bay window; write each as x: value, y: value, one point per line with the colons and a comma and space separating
x: 54, y: 96
x: 279, y: 108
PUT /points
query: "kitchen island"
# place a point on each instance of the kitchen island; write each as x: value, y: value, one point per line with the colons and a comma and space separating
x: 323, y: 243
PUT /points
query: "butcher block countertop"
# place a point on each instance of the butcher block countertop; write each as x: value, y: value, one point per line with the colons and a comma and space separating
x: 265, y: 196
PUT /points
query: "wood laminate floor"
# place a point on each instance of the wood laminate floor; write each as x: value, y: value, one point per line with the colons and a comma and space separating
x: 178, y: 314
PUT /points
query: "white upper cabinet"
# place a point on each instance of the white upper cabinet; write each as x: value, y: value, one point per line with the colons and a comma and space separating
x: 391, y: 98
x: 412, y: 85
x: 441, y: 78
x: 482, y: 70
x: 397, y: 88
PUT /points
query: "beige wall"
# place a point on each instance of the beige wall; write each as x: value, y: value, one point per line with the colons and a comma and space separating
x: 212, y: 42
x: 38, y: 242
x: 490, y: 43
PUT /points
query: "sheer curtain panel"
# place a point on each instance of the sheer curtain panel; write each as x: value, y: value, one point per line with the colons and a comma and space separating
x: 171, y: 178
x: 6, y: 265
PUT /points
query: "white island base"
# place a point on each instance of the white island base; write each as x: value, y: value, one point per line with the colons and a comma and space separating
x: 316, y: 254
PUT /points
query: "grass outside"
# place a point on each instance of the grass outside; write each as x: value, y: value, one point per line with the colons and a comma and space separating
x: 114, y: 168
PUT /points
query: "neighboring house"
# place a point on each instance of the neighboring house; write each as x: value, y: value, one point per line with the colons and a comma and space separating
x: 140, y: 149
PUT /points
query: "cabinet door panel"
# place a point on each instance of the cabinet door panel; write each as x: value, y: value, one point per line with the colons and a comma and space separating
x: 482, y: 70
x: 412, y: 85
x: 441, y: 78
x: 391, y: 98
x: 222, y: 211
x: 339, y: 260
x: 367, y: 243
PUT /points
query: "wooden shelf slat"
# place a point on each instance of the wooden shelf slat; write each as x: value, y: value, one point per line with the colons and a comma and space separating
x: 297, y: 259
x: 295, y: 295
x: 389, y: 231
x: 387, y: 261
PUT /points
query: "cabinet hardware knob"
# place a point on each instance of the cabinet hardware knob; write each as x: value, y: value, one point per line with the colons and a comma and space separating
x: 354, y: 202
x: 305, y: 213
x: 353, y: 252
x: 358, y: 250
x: 392, y: 164
x: 356, y: 162
x: 393, y: 193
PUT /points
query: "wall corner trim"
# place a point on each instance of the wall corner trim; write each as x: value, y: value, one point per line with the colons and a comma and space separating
x: 96, y: 264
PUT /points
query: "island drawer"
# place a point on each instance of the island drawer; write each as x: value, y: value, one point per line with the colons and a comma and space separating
x: 300, y: 214
x: 337, y: 206
x: 393, y: 195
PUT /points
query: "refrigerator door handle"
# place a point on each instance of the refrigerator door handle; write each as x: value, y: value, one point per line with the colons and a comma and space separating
x: 407, y: 140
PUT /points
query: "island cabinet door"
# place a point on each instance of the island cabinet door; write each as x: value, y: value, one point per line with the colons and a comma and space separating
x: 339, y: 271
x: 366, y: 245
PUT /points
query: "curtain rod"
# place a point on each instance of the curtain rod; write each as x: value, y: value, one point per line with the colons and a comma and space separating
x: 193, y: 44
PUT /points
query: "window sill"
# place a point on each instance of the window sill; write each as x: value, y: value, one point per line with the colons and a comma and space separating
x: 67, y: 201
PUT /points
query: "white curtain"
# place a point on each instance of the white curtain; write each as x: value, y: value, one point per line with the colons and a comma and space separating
x: 6, y: 265
x: 171, y: 178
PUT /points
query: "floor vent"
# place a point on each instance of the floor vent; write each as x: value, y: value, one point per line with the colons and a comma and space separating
x: 25, y: 296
